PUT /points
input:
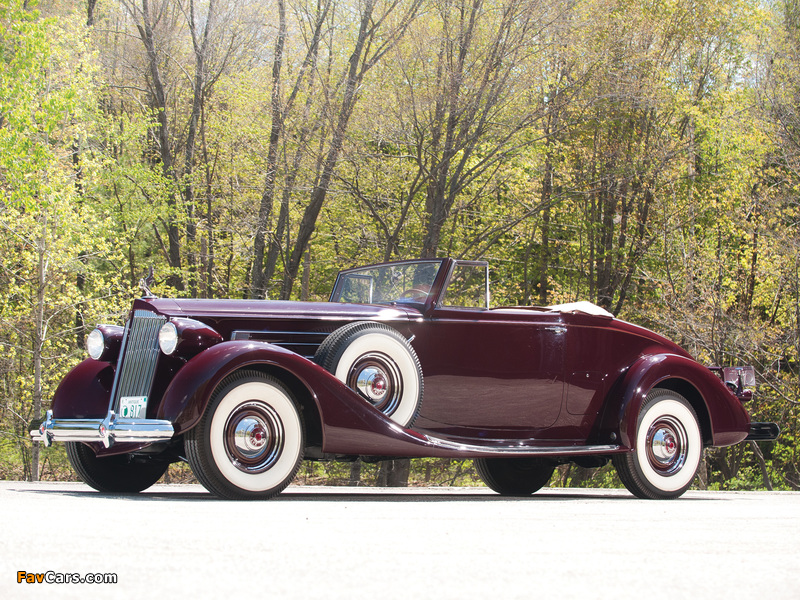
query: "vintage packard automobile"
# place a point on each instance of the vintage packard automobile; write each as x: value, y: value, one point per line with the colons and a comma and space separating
x: 245, y: 390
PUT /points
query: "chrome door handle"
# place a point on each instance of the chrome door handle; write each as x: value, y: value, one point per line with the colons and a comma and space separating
x: 556, y: 328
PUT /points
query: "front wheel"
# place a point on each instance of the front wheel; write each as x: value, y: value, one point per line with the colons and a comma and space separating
x: 514, y: 476
x: 118, y: 474
x: 249, y: 442
x: 667, y: 451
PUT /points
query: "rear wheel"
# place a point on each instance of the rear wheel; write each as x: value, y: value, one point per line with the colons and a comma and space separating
x: 514, y: 476
x: 118, y: 474
x: 667, y: 451
x: 249, y: 442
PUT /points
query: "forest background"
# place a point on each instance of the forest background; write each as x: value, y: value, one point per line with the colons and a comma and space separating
x: 644, y: 155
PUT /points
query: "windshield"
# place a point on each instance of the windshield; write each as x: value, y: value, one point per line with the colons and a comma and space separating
x: 398, y: 282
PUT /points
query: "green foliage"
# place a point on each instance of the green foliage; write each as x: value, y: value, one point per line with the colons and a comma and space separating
x: 55, y: 245
x: 638, y: 155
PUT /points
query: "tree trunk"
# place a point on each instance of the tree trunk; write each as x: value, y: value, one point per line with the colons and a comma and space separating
x: 355, y: 473
x: 544, y: 252
x: 38, y: 341
x: 394, y: 473
x: 90, y: 5
x: 258, y: 284
x: 762, y: 465
x: 308, y: 223
x: 165, y: 147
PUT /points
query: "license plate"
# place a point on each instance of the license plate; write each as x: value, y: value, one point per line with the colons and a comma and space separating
x: 133, y: 407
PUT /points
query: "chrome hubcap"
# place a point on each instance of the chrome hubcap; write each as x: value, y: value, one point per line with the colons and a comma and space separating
x: 253, y: 437
x: 250, y: 436
x: 667, y: 446
x: 371, y: 382
x: 377, y: 379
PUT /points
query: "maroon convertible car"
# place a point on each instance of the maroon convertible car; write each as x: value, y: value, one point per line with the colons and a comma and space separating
x: 407, y: 359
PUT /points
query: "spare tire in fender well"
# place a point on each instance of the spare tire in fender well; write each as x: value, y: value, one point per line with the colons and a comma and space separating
x: 378, y: 363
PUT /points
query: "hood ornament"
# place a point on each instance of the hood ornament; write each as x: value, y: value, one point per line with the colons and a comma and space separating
x: 145, y: 283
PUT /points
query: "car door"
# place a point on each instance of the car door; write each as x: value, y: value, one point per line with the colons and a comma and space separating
x: 492, y: 370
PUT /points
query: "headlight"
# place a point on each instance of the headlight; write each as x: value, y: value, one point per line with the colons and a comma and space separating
x: 168, y: 338
x: 186, y: 337
x: 104, y: 341
x: 95, y: 344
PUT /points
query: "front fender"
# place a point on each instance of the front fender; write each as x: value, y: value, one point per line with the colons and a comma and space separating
x: 85, y: 391
x: 722, y: 416
x: 189, y: 392
x: 349, y: 424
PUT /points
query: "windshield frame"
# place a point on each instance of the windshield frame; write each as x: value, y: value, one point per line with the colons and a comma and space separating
x: 361, y: 272
x: 442, y: 299
x: 435, y: 296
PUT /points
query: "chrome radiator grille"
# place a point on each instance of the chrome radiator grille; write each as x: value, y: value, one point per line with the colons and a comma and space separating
x: 138, y: 357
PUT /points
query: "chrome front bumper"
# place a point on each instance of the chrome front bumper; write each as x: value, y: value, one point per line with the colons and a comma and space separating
x: 106, y: 431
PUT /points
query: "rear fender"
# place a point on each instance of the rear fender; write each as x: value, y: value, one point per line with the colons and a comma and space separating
x: 723, y: 419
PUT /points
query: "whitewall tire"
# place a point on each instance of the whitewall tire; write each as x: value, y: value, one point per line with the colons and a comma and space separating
x: 379, y: 364
x: 667, y: 450
x: 250, y: 441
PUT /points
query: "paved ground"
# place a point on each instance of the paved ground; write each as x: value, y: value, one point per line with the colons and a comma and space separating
x: 176, y: 541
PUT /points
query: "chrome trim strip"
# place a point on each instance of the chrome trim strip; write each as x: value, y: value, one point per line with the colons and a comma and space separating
x: 107, y: 431
x: 524, y: 450
x: 282, y: 344
x: 244, y: 334
x: 112, y: 400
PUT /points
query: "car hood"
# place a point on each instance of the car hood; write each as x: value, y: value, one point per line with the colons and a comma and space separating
x: 276, y: 309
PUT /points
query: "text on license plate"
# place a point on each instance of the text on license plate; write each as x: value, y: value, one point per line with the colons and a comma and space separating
x: 133, y: 407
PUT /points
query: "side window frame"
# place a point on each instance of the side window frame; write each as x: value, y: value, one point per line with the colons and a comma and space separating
x: 442, y: 303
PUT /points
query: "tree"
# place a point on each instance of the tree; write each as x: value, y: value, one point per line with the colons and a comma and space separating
x: 377, y: 35
x: 467, y: 100
x: 46, y: 228
x: 279, y: 111
x: 217, y: 38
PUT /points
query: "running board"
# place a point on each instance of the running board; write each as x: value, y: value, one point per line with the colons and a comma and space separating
x: 525, y: 450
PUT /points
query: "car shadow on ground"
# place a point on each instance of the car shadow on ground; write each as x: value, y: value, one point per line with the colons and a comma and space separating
x: 386, y: 495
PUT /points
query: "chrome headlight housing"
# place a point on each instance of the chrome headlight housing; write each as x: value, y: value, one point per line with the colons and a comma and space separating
x: 95, y: 344
x: 168, y: 338
x: 104, y: 341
